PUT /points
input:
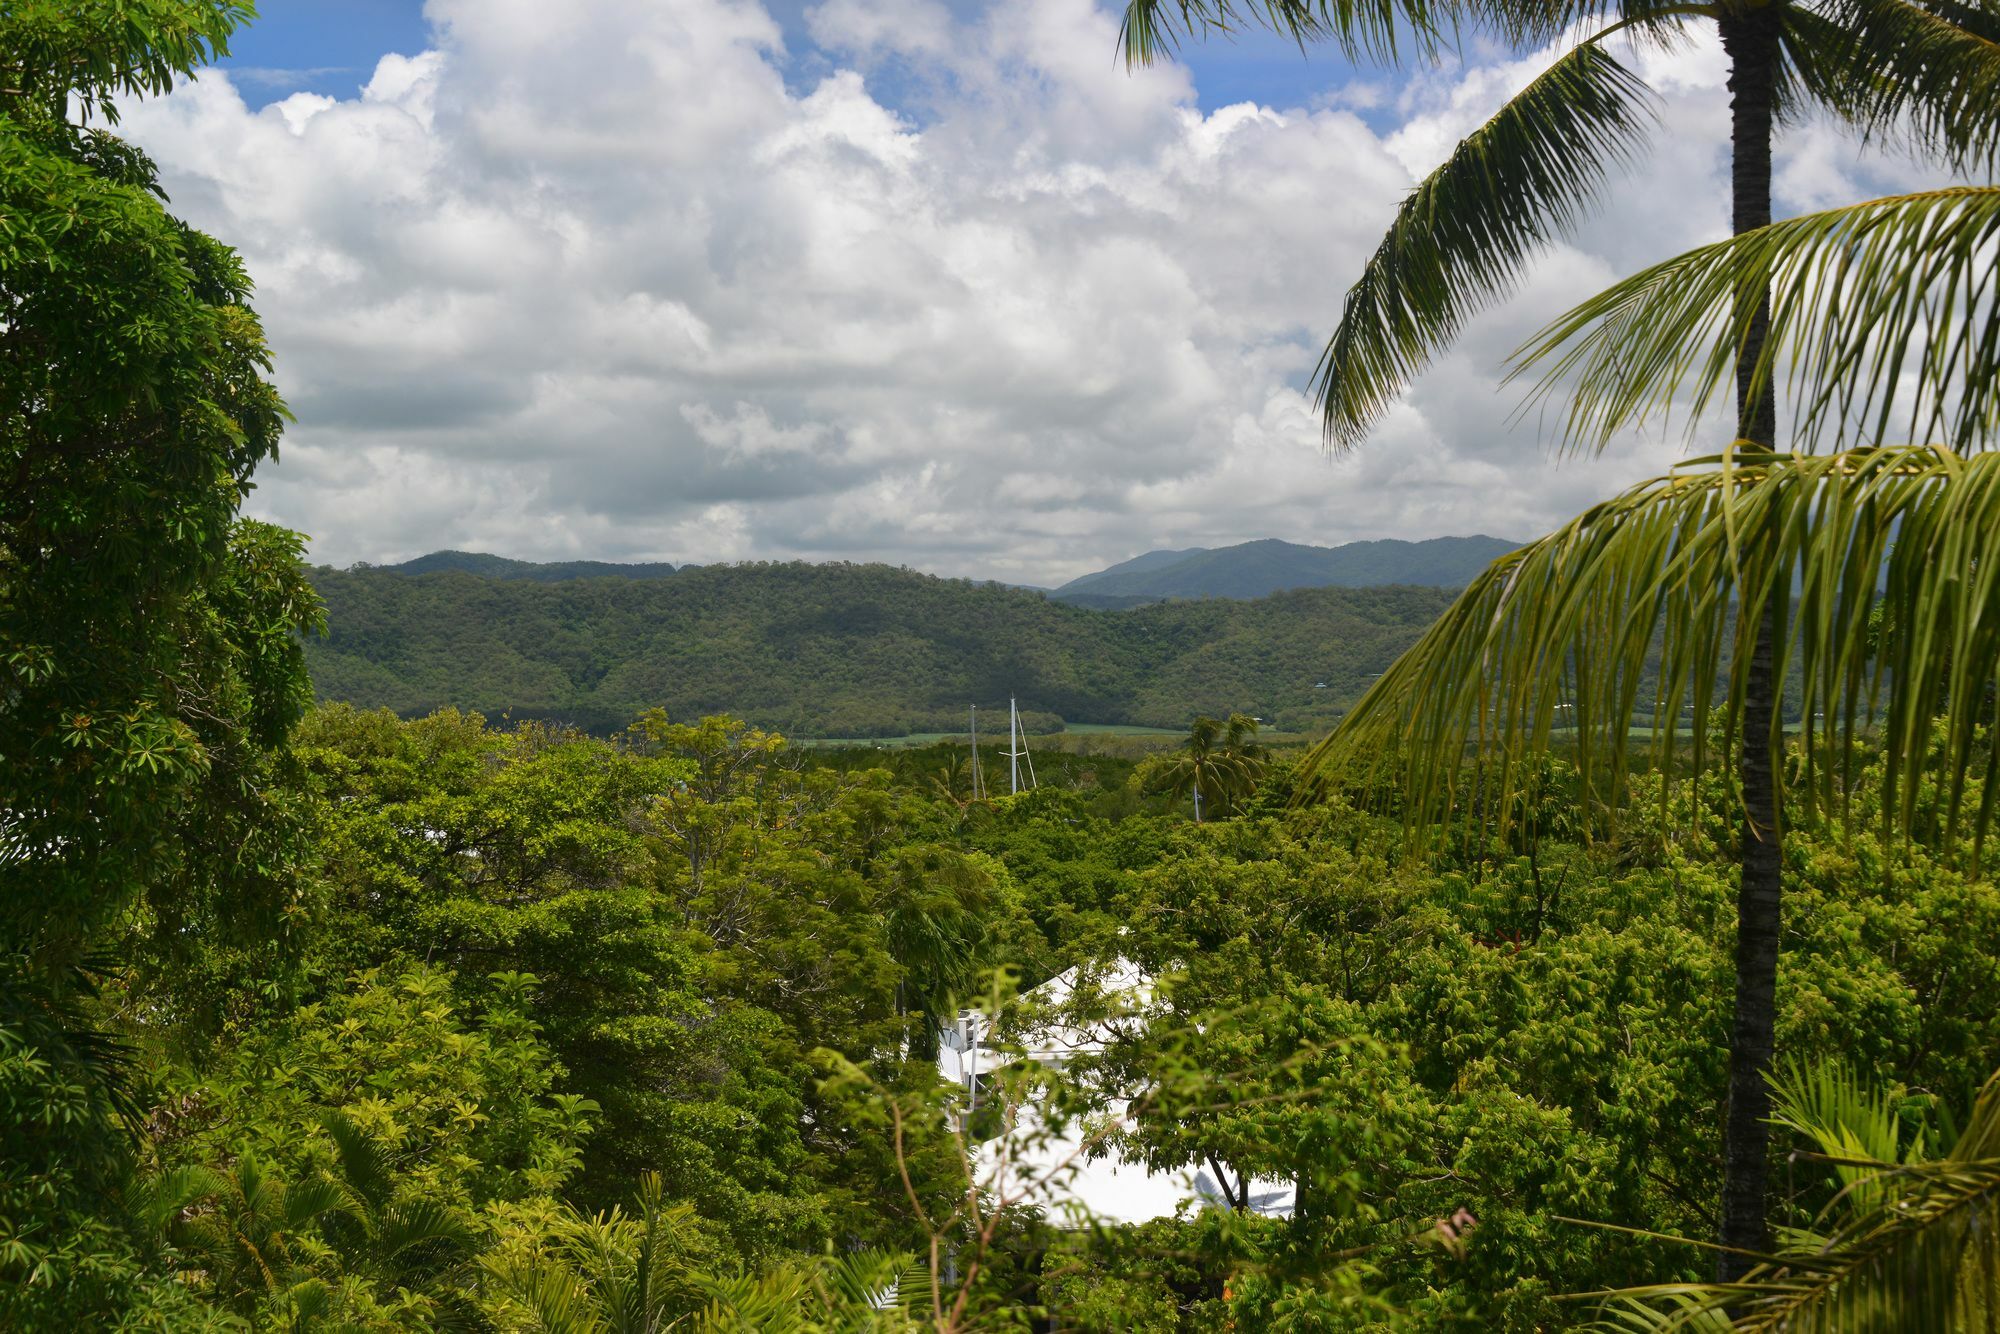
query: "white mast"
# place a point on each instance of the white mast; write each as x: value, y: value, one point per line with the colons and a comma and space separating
x: 1017, y: 748
x: 1013, y: 747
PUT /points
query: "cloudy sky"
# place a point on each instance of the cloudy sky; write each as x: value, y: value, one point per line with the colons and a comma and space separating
x: 935, y: 283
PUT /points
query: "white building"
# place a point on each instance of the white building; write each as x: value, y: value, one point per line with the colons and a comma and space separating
x: 1072, y: 1171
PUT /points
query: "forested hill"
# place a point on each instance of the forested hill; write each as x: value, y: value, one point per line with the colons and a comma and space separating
x: 844, y: 650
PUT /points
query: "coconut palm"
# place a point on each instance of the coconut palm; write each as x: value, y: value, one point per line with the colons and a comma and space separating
x: 1910, y: 1240
x: 938, y: 910
x: 1748, y: 564
x: 1924, y: 72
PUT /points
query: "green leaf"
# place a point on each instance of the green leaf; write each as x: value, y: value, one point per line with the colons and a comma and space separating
x: 1916, y: 77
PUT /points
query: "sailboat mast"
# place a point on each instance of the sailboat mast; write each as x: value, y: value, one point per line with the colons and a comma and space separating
x: 1013, y: 747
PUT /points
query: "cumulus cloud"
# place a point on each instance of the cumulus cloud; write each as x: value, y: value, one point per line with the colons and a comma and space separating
x: 632, y: 285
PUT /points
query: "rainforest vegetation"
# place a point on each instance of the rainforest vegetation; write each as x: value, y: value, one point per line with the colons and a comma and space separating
x: 318, y: 1017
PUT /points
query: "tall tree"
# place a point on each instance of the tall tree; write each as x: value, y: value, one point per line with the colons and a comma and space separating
x: 1926, y: 72
x: 149, y: 656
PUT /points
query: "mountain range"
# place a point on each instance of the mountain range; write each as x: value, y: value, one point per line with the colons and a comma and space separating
x: 1247, y: 570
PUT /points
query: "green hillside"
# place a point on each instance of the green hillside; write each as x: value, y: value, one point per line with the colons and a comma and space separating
x: 844, y: 650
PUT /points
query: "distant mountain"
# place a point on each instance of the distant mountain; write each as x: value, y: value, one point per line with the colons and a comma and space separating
x: 500, y: 567
x: 1258, y: 569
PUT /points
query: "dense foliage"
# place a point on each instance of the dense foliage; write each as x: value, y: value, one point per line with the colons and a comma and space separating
x: 845, y: 650
x: 546, y: 995
x: 149, y: 658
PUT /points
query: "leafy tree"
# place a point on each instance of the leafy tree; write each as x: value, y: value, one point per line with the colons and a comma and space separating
x: 151, y: 658
x: 344, y: 1163
x: 948, y: 917
x: 1926, y: 74
x: 1320, y: 976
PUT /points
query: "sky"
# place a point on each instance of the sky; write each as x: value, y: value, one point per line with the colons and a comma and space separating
x: 934, y: 283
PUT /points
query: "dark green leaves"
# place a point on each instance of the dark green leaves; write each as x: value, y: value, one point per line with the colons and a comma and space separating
x: 1154, y: 28
x: 97, y: 50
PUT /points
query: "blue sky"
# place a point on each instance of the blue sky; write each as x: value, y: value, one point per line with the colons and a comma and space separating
x: 331, y: 46
x: 322, y: 46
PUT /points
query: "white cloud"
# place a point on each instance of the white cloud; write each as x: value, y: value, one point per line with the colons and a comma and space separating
x: 613, y: 287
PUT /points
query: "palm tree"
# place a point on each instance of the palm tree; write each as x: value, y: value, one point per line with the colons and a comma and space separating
x: 952, y: 779
x: 1705, y: 561
x: 1217, y: 766
x: 1910, y: 1240
x: 938, y: 909
x: 1924, y: 71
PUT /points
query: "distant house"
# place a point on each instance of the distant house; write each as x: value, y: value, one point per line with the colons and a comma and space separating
x: 1075, y: 1183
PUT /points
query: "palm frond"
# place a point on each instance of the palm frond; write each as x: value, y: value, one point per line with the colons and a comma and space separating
x: 1922, y: 1253
x: 1465, y: 233
x: 1883, y: 315
x: 1919, y: 1261
x: 364, y: 1164
x: 555, y: 1297
x: 1153, y: 30
x: 1846, y: 1118
x: 309, y: 1201
x: 1900, y: 72
x: 1978, y: 17
x: 771, y: 1301
x: 159, y: 1200
x: 1559, y: 635
x: 422, y: 1232
x: 1685, y: 1312
x: 860, y: 1280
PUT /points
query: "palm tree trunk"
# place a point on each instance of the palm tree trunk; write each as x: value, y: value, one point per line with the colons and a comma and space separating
x: 1750, y: 36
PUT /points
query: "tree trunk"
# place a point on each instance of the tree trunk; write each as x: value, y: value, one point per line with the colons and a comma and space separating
x: 1750, y: 37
